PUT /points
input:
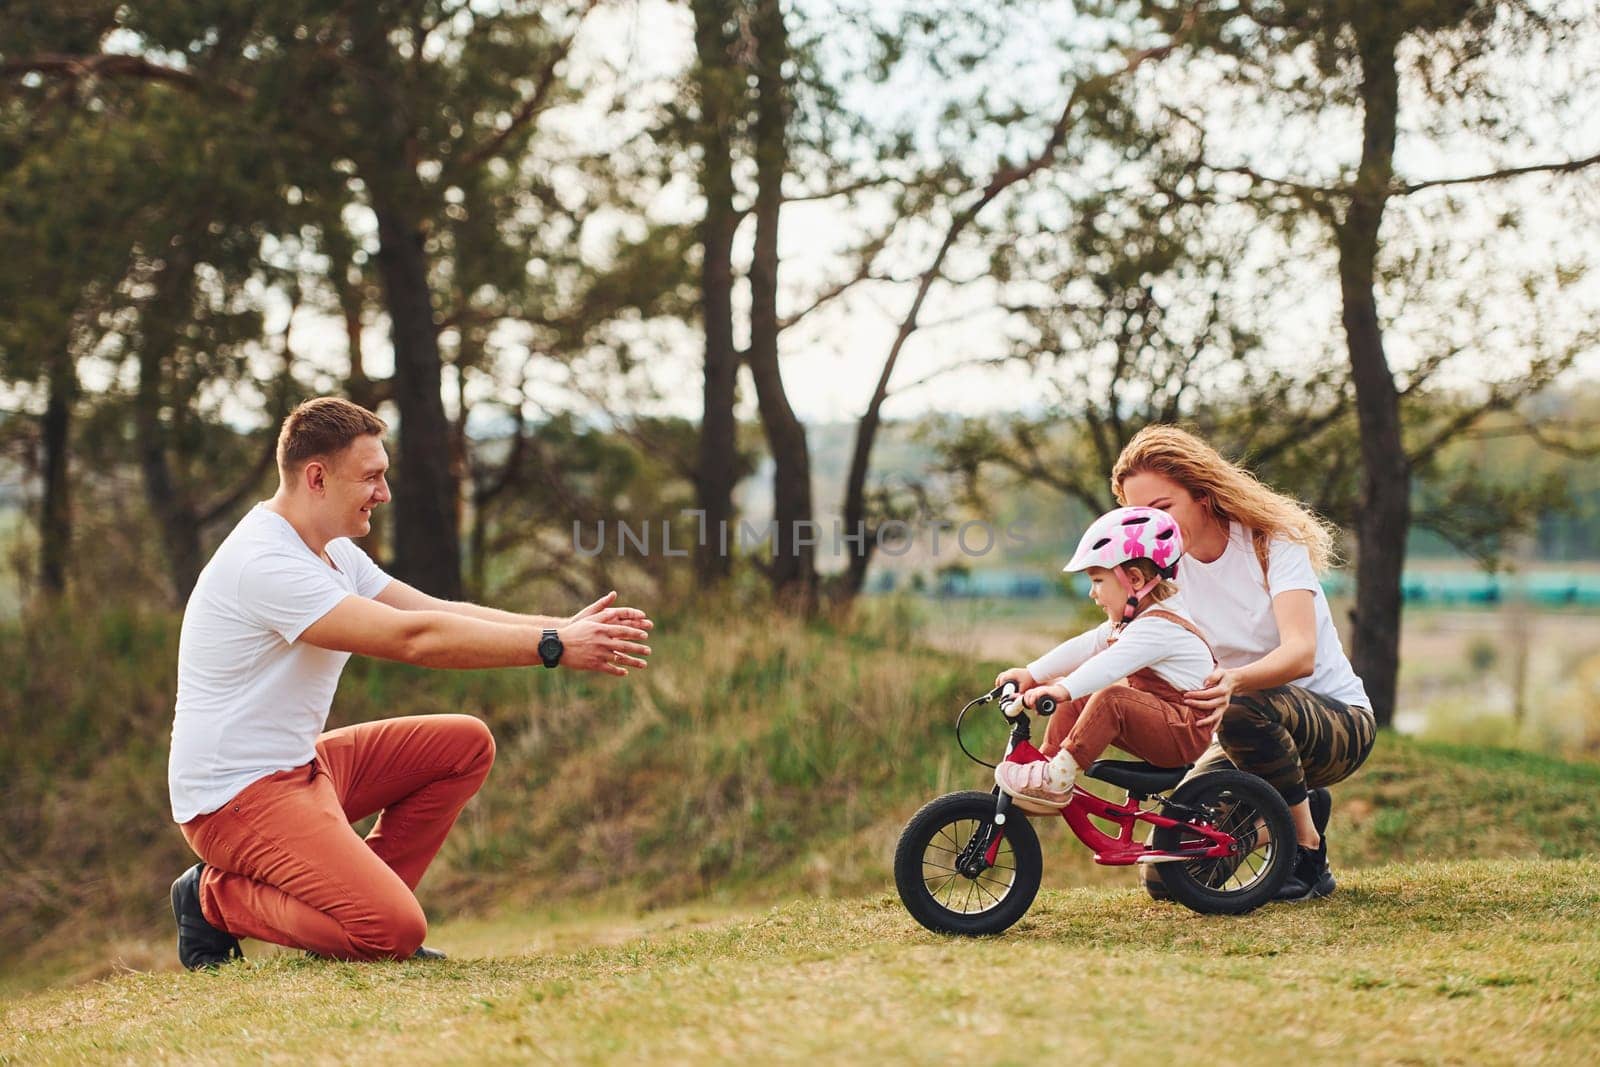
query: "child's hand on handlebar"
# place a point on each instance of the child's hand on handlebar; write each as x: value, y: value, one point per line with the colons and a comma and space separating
x: 1017, y: 676
x: 1058, y: 693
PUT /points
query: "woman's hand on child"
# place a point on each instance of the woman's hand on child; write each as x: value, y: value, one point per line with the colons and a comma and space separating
x: 1017, y: 676
x: 1031, y: 696
x: 1214, y: 697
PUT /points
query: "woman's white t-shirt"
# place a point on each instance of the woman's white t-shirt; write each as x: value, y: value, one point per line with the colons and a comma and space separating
x: 1228, y: 599
x: 252, y: 699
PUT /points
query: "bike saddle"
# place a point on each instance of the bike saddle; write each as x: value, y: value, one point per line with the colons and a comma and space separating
x: 1136, y: 776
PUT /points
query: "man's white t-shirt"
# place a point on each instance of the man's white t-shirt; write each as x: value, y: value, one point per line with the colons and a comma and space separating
x: 252, y: 699
x: 1228, y: 599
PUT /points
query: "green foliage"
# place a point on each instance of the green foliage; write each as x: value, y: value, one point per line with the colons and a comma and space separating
x: 756, y: 756
x: 1495, y: 495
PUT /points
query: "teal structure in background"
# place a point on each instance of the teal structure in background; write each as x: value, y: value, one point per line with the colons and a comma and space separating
x: 1432, y: 586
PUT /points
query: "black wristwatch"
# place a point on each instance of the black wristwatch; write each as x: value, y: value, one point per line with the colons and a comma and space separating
x: 550, y: 648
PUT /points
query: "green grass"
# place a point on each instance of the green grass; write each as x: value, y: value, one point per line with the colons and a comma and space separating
x: 605, y: 895
x: 757, y: 759
x: 1481, y: 961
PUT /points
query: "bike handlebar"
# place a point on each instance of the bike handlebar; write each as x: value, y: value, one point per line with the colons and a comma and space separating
x: 1008, y: 694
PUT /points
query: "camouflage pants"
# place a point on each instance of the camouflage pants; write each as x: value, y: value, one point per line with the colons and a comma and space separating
x: 1294, y: 738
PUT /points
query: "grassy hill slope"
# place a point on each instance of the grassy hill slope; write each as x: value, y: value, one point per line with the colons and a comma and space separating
x: 756, y: 759
x: 1481, y: 961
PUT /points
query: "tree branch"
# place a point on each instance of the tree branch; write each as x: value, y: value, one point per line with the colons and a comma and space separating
x: 1301, y: 432
x: 1562, y: 167
x: 1316, y: 197
x: 530, y: 107
x: 116, y: 65
x: 1461, y: 421
x: 951, y: 368
x: 834, y: 292
x: 269, y: 452
x: 1313, y: 197
x: 1070, y: 484
x: 844, y: 190
x: 1526, y: 427
x: 1006, y: 177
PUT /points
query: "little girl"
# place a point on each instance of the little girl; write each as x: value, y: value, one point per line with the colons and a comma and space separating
x: 1130, y: 555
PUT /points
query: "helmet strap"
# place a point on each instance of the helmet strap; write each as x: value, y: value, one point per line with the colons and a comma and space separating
x: 1135, y: 592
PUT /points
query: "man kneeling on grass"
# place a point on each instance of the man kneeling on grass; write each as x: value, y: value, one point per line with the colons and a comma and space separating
x: 262, y: 795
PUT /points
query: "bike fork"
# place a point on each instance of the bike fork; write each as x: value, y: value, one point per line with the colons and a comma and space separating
x: 1002, y: 811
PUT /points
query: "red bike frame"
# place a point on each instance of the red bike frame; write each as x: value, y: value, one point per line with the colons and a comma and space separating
x: 1122, y: 850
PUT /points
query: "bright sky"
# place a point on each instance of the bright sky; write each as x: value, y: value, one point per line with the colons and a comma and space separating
x: 831, y: 363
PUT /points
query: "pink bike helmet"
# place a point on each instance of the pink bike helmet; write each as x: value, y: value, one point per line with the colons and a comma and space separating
x: 1126, y: 534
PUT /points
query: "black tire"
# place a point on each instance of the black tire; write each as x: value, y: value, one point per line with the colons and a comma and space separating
x: 1243, y: 805
x: 953, y: 902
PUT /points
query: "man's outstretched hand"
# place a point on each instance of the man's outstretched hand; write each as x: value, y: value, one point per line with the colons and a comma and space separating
x: 606, y: 638
x: 602, y: 610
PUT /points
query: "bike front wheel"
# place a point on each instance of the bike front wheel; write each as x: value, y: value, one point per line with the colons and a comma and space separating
x: 944, y: 882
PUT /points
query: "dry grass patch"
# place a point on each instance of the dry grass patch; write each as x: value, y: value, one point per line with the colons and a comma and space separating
x: 1469, y: 962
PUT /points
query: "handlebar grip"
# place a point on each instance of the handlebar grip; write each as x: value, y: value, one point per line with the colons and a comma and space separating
x: 1045, y: 705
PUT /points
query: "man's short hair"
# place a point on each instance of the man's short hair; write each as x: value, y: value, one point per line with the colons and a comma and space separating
x: 322, y: 427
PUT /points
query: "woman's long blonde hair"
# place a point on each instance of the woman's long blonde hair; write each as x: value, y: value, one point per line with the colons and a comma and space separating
x: 1233, y: 492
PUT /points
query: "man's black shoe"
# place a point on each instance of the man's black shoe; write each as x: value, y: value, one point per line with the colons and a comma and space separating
x: 199, y: 943
x: 1311, y: 877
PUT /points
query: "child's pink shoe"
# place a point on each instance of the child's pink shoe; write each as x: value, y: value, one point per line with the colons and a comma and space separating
x: 1030, y: 783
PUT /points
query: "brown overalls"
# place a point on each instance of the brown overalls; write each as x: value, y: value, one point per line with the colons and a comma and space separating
x: 1145, y: 717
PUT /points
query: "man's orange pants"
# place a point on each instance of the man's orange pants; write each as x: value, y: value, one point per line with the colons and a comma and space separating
x: 283, y: 863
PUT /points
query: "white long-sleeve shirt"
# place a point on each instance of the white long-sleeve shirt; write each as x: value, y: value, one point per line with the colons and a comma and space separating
x: 1092, y: 661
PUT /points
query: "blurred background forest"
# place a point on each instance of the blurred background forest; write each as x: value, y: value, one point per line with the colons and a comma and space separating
x: 913, y: 272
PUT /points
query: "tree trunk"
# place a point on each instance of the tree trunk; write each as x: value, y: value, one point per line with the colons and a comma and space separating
x: 361, y: 389
x: 855, y: 510
x: 1385, y: 517
x: 174, y: 514
x: 716, y: 468
x: 855, y: 498
x: 478, y: 550
x: 171, y: 507
x: 427, y: 543
x: 55, y: 511
x: 794, y: 563
x: 427, y: 535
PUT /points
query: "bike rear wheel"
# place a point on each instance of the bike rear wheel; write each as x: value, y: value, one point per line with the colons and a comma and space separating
x: 940, y: 876
x: 1246, y: 807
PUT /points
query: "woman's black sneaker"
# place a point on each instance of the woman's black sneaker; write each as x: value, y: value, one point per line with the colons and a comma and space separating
x: 1153, y: 884
x: 199, y: 943
x: 1321, y: 802
x: 1311, y: 877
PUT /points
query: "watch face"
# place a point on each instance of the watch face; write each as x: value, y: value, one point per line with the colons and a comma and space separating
x: 549, y: 648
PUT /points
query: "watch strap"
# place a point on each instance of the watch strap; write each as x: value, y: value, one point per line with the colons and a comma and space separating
x: 547, y: 636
